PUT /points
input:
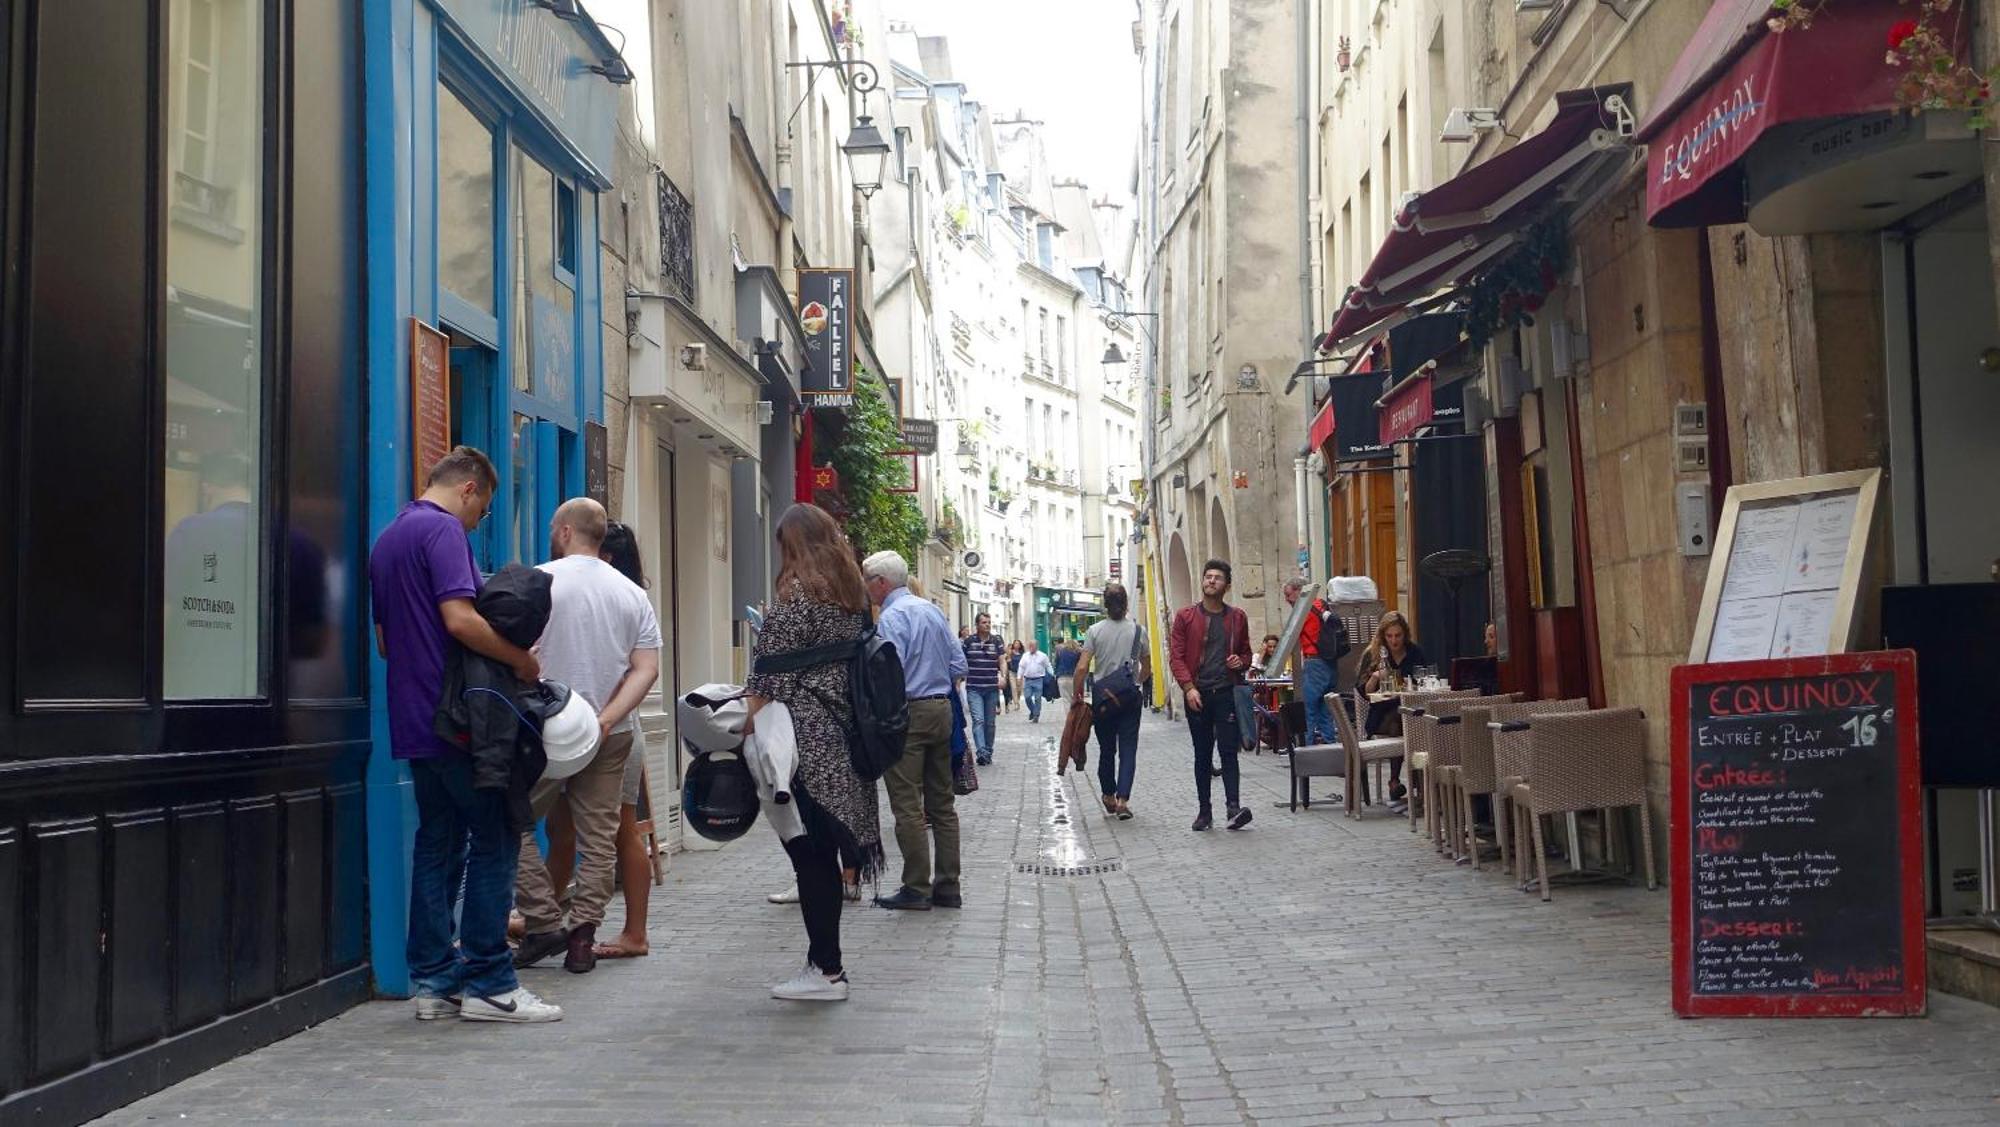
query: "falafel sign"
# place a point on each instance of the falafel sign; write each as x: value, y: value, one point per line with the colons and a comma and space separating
x: 826, y: 305
x: 1797, y: 888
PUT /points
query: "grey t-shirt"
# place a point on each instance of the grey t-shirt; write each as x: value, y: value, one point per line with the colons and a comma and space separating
x: 597, y: 617
x: 1213, y: 672
x: 1112, y: 643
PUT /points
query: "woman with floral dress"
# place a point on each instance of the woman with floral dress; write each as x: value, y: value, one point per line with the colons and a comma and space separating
x: 819, y: 600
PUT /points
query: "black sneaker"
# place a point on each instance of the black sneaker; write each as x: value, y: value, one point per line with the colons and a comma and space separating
x: 1239, y: 818
x: 535, y: 948
x: 947, y: 896
x: 905, y: 899
x: 1202, y: 821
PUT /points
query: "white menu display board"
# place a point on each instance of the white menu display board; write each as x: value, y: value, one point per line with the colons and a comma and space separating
x: 1787, y: 568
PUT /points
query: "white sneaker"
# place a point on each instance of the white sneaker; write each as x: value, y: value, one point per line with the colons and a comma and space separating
x: 809, y: 985
x: 436, y: 1007
x: 518, y: 1004
x: 788, y: 896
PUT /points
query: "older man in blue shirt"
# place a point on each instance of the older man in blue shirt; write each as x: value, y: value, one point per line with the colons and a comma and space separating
x: 920, y: 782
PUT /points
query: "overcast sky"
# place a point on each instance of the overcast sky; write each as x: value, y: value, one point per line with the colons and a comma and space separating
x: 1068, y: 63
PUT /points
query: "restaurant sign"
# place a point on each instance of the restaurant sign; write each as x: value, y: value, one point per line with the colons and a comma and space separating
x: 1406, y: 410
x: 826, y: 308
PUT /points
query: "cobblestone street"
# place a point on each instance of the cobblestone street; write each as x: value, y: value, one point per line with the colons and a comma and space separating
x: 1310, y: 969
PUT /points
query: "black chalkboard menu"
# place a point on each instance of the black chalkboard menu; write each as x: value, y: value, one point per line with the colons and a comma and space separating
x: 1796, y: 858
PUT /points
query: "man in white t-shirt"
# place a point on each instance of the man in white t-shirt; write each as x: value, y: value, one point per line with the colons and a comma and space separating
x: 603, y: 641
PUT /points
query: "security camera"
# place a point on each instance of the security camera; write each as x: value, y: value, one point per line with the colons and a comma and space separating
x: 1463, y: 126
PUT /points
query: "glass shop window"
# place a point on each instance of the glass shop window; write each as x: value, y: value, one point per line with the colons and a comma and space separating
x: 464, y: 202
x: 214, y: 472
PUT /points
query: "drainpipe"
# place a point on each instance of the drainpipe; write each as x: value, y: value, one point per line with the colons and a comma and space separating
x: 1302, y: 494
x: 1301, y: 484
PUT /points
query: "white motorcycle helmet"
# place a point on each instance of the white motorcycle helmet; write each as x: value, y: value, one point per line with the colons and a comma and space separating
x: 569, y: 738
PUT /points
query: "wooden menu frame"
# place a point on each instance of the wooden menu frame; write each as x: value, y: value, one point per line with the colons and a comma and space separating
x: 430, y: 399
x: 1866, y: 484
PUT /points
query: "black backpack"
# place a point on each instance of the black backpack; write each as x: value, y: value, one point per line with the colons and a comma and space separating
x: 875, y: 690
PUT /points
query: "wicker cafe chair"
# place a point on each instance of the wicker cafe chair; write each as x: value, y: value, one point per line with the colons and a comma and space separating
x: 1361, y: 754
x: 1444, y: 717
x: 1581, y: 761
x: 1361, y: 617
x: 1417, y: 741
x: 1307, y: 761
x: 1479, y: 773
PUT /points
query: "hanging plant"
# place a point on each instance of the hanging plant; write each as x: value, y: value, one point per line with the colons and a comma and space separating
x: 874, y: 518
x: 1925, y: 47
x: 1511, y: 292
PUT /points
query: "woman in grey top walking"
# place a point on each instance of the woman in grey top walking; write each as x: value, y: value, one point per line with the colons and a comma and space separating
x: 1115, y: 644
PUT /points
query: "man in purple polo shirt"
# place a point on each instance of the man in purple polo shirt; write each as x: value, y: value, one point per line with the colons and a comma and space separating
x: 423, y: 582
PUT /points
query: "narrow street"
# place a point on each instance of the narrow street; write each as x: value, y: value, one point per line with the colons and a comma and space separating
x: 1309, y: 970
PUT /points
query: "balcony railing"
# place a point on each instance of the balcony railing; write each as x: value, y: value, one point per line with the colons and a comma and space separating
x: 676, y: 241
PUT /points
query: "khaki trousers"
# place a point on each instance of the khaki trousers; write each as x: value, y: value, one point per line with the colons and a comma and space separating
x: 593, y: 808
x: 919, y: 787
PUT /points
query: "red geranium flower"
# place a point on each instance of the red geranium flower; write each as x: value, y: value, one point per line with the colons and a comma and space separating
x: 1899, y: 31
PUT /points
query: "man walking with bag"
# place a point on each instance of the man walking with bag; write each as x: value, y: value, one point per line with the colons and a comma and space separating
x: 920, y: 783
x: 1322, y: 643
x: 1208, y: 648
x: 1114, y: 664
x: 603, y: 641
x: 1034, y: 673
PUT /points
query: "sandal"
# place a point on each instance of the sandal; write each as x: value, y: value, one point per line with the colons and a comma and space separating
x: 1110, y: 804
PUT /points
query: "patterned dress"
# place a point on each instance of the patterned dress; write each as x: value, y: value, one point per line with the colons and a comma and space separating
x: 833, y: 800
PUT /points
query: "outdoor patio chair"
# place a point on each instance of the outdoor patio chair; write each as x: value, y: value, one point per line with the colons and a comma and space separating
x: 1441, y: 723
x: 1479, y: 764
x: 1581, y: 761
x: 1418, y: 749
x: 1362, y: 755
x: 1307, y: 761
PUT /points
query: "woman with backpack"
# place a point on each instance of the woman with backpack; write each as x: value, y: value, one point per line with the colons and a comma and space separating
x: 819, y: 600
x: 1115, y: 661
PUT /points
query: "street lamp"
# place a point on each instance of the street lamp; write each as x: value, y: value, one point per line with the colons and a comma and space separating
x: 867, y: 155
x: 1113, y: 355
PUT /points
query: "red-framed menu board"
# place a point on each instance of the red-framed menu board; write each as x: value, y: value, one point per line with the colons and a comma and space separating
x: 1797, y: 859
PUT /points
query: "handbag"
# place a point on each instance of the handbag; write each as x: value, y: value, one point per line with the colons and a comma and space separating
x: 964, y: 775
x: 1116, y: 691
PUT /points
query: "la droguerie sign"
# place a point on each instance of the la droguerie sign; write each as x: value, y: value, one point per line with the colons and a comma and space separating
x: 826, y: 308
x: 1797, y: 882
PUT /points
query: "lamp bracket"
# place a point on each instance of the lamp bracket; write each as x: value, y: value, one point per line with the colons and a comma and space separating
x: 861, y: 74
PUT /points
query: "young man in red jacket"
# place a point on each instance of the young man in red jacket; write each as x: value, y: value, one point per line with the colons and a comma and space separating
x: 1208, y: 649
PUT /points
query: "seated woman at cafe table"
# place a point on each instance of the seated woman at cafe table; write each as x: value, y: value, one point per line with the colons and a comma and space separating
x: 1387, y: 666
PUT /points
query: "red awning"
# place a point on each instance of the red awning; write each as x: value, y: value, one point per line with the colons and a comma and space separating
x: 1448, y: 233
x: 1406, y: 409
x: 1321, y: 431
x: 1737, y: 79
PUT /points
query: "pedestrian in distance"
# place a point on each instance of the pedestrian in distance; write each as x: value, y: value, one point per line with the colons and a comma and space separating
x: 984, y: 657
x: 819, y: 600
x: 422, y: 581
x: 1208, y: 649
x: 1322, y: 643
x: 1114, y: 647
x: 1064, y: 660
x: 1034, y: 670
x: 603, y: 641
x: 920, y: 783
x: 1010, y: 680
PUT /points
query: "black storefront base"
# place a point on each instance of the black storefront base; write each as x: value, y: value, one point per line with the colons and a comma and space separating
x: 112, y: 1084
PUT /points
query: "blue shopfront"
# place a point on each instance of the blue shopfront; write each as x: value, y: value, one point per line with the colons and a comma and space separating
x: 491, y: 127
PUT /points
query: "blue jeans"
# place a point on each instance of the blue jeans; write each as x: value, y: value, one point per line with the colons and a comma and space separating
x: 1214, y: 729
x: 1034, y: 695
x: 1246, y: 717
x: 1318, y: 678
x: 985, y: 703
x: 1117, y: 751
x: 462, y: 836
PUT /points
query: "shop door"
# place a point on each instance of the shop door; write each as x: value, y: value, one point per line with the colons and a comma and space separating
x: 1959, y: 534
x: 472, y: 368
